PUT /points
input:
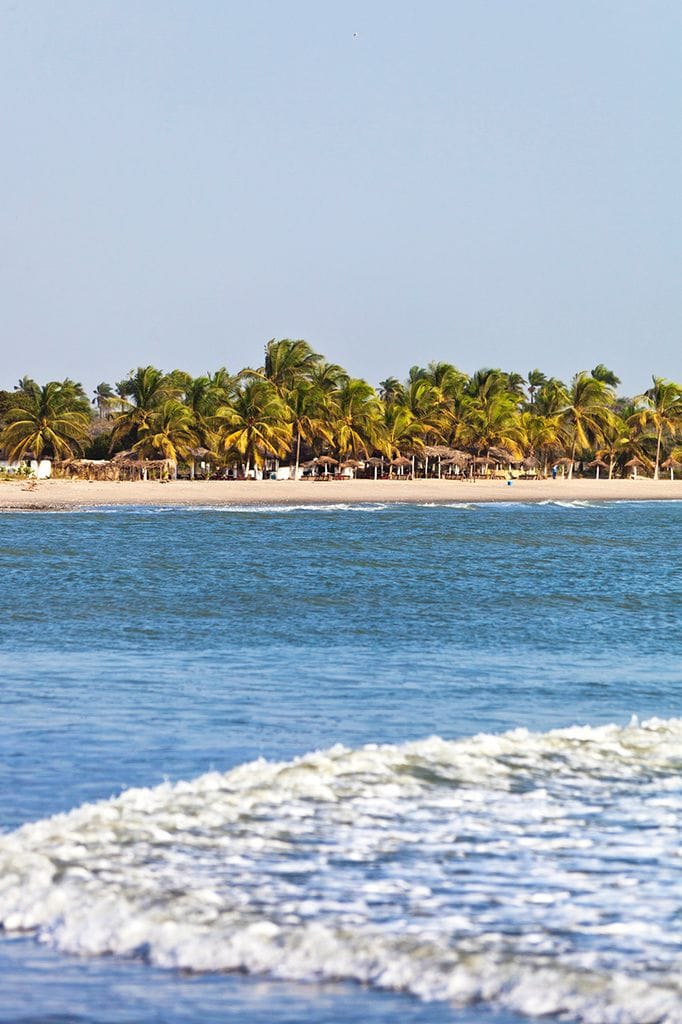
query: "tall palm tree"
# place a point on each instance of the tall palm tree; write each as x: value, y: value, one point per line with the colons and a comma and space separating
x: 535, y: 379
x: 401, y: 432
x: 169, y: 432
x: 327, y: 377
x: 428, y: 406
x: 286, y: 361
x: 538, y: 435
x: 662, y: 411
x: 354, y: 414
x: 49, y: 423
x: 104, y: 398
x: 516, y: 385
x: 391, y: 390
x: 27, y: 386
x: 605, y: 375
x: 586, y: 412
x: 142, y: 392
x: 254, y: 423
x: 550, y: 397
x: 489, y: 420
x: 306, y: 405
x: 447, y: 378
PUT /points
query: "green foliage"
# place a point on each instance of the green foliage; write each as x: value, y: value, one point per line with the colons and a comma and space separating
x: 298, y: 403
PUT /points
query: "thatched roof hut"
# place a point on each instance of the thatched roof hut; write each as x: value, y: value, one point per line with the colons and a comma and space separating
x: 500, y: 454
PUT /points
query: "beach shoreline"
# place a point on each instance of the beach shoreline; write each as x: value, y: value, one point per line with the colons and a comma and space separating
x: 56, y: 495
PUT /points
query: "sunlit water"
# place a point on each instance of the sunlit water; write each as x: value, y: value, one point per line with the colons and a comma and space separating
x: 342, y: 764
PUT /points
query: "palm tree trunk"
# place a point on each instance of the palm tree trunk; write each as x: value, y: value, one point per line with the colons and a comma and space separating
x: 298, y: 453
x: 570, y: 468
x: 658, y: 451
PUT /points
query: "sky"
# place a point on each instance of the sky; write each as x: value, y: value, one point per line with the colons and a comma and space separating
x: 490, y: 183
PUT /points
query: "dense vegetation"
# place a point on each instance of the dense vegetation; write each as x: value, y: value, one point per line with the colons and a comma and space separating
x: 298, y: 405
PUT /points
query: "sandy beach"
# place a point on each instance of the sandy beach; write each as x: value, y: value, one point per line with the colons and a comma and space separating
x: 67, y: 494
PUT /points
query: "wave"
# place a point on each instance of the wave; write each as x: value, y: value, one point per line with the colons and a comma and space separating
x: 539, y: 872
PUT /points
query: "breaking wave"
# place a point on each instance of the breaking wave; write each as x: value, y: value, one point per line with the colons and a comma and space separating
x: 537, y: 872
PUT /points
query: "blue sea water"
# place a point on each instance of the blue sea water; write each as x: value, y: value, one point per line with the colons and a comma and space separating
x: 513, y: 867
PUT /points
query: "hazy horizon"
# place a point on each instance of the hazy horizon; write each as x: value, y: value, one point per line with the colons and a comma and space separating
x: 489, y: 184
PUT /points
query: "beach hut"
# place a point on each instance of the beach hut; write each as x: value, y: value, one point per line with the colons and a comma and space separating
x: 376, y: 463
x: 483, y: 462
x: 530, y: 465
x: 400, y: 464
x: 596, y: 464
x: 327, y: 461
x: 501, y: 455
x: 672, y: 464
x: 634, y: 465
x: 351, y: 464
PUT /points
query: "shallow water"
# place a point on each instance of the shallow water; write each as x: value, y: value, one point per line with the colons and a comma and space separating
x: 503, y: 876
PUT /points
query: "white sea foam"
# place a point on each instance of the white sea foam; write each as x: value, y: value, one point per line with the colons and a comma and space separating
x: 539, y: 872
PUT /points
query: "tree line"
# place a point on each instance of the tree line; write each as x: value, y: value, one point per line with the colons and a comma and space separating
x: 297, y: 405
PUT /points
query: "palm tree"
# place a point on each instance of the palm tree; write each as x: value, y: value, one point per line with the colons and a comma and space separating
x: 489, y: 420
x: 539, y: 435
x: 327, y: 377
x: 605, y: 375
x: 391, y: 390
x: 619, y: 443
x: 49, y: 422
x: 662, y: 410
x: 105, y: 396
x: 586, y: 412
x: 447, y: 378
x: 550, y: 397
x: 286, y: 361
x: 516, y: 385
x: 428, y: 406
x: 27, y: 386
x: 535, y: 380
x: 169, y: 432
x: 143, y: 392
x: 401, y: 432
x: 354, y: 416
x: 254, y: 423
x: 306, y: 402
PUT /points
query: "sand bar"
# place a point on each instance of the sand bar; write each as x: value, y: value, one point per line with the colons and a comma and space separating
x: 70, y: 494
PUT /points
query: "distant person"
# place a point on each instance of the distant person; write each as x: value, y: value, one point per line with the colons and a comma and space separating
x: 555, y: 470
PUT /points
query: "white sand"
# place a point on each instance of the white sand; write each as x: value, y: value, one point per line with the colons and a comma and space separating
x: 62, y: 494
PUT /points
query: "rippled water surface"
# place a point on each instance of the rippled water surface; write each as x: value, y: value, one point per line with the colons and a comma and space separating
x: 342, y: 764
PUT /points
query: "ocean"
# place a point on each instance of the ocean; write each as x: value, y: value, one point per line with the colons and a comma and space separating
x: 341, y: 764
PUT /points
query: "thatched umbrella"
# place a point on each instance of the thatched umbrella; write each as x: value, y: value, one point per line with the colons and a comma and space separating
x: 672, y: 464
x: 351, y: 464
x: 327, y: 461
x: 481, y: 460
x: 597, y: 464
x: 634, y: 465
x: 501, y: 455
x: 401, y: 462
x: 434, y: 451
x: 375, y: 462
x: 530, y: 462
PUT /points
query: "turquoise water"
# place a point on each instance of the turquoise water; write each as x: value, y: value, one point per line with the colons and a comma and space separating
x: 513, y: 867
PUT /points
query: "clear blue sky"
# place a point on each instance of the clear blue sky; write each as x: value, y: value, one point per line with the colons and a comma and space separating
x: 495, y: 182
